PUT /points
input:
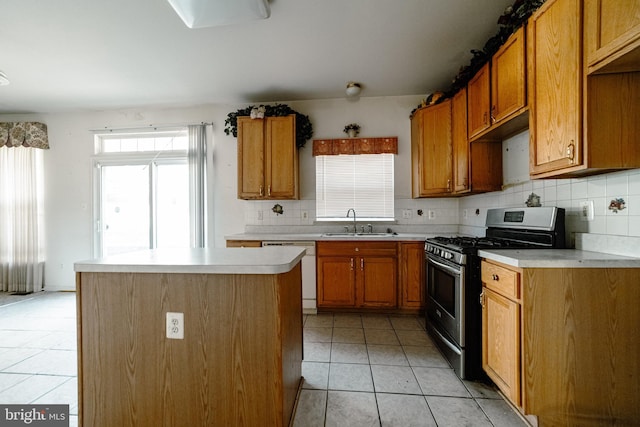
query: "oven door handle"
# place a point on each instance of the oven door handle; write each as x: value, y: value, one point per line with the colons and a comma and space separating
x: 446, y: 342
x: 444, y: 266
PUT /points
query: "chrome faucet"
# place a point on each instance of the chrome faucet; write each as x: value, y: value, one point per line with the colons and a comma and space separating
x: 355, y: 229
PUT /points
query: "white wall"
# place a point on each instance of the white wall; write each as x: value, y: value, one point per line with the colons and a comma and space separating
x: 68, y: 178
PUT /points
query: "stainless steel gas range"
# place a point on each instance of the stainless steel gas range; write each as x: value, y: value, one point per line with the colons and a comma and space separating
x: 453, y: 286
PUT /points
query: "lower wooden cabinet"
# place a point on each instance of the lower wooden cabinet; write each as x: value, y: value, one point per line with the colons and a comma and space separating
x: 357, y: 274
x: 244, y: 243
x: 560, y: 343
x: 411, y: 271
x: 370, y: 275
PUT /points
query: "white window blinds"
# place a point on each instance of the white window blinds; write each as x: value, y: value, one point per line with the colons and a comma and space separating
x: 363, y: 182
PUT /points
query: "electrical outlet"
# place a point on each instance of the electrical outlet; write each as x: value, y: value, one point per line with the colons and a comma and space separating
x: 175, y: 326
x: 465, y: 213
x: 304, y: 215
x: 406, y: 213
x: 432, y: 214
x: 586, y: 211
x: 260, y: 216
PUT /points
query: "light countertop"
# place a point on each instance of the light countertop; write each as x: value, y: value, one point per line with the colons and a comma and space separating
x: 399, y: 237
x: 558, y: 258
x: 270, y: 260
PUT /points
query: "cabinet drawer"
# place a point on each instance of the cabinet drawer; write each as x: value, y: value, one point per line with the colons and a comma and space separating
x: 501, y: 280
x: 356, y: 248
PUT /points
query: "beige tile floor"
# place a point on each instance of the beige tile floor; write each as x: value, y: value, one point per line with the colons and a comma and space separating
x: 359, y: 370
x: 378, y: 370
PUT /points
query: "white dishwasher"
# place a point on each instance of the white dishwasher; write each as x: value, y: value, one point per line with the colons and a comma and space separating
x: 308, y: 272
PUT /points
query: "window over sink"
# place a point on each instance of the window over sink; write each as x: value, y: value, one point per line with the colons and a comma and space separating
x: 363, y: 182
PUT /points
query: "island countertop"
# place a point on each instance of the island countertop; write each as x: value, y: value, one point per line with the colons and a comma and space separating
x: 268, y: 260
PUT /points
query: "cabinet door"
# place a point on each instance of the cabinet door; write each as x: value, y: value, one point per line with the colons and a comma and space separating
x: 376, y: 282
x: 555, y: 86
x: 460, y: 142
x: 281, y: 165
x: 336, y: 281
x: 501, y: 343
x: 411, y: 265
x: 508, y: 78
x: 478, y: 102
x: 431, y: 142
x: 250, y: 158
x: 612, y: 35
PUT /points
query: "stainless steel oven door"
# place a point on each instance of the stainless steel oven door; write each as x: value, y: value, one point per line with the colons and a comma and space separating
x: 445, y: 298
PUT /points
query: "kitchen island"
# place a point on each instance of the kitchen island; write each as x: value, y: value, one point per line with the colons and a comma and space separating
x: 239, y: 361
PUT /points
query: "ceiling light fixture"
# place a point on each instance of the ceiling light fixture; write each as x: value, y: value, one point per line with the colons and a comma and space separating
x: 353, y: 89
x: 211, y: 13
x: 3, y: 79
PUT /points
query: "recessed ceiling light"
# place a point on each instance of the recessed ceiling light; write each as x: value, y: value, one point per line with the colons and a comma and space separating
x: 3, y: 79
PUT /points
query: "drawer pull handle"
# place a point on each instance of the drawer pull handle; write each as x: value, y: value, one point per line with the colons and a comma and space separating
x: 361, y: 264
x: 571, y: 152
x: 482, y: 299
x: 495, y: 277
x: 352, y: 264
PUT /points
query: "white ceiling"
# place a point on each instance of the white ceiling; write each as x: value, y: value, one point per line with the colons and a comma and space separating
x: 89, y: 55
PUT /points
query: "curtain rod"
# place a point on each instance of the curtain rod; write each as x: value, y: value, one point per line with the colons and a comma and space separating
x: 148, y: 127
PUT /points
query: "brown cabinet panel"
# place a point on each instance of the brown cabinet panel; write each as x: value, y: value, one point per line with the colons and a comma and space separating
x: 267, y: 158
x: 555, y: 86
x: 336, y: 281
x: 357, y: 274
x: 580, y: 124
x: 411, y: 264
x: 478, y: 102
x: 508, y: 78
x: 432, y: 150
x: 612, y: 35
x: 460, y: 142
x: 501, y: 343
x: 244, y: 243
x: 377, y: 282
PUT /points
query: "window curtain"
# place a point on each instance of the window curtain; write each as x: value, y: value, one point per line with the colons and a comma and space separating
x: 21, y: 219
x: 197, y: 158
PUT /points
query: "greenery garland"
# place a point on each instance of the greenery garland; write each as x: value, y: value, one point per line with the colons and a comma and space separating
x: 304, y: 129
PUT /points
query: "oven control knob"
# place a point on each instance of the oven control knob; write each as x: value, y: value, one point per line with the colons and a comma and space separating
x: 448, y: 255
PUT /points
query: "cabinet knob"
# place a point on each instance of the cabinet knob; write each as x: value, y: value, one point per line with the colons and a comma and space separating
x: 493, y: 111
x: 482, y: 299
x: 269, y: 190
x: 352, y: 264
x: 495, y: 277
x: 361, y: 264
x: 448, y: 185
x: 261, y: 191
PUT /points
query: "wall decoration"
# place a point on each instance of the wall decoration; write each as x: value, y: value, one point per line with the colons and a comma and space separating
x: 617, y: 205
x: 533, y: 201
x: 352, y: 129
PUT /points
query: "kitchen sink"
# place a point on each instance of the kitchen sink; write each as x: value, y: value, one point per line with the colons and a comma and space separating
x: 346, y: 234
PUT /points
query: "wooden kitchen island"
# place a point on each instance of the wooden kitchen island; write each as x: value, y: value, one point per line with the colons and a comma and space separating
x: 239, y: 363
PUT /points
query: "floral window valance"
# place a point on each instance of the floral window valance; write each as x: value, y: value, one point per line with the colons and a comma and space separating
x: 328, y: 147
x: 25, y: 134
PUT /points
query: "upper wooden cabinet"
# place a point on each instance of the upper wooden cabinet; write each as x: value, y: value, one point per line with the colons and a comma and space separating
x: 612, y: 35
x: 267, y: 158
x: 579, y: 125
x: 479, y: 102
x: 431, y: 150
x: 477, y: 165
x: 497, y: 93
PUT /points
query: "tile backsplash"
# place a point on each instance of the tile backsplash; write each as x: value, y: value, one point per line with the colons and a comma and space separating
x: 468, y: 213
